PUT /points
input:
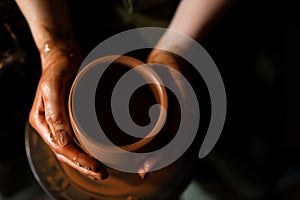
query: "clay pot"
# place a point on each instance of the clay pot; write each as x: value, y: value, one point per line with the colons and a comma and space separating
x: 161, y: 184
x: 157, y: 89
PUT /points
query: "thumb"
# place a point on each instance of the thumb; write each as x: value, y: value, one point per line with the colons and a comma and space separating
x: 57, y: 118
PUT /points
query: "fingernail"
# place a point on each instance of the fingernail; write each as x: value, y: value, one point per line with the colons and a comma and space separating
x: 63, y: 138
x: 143, y: 174
x: 147, y: 168
x: 101, y: 171
x: 99, y: 176
x: 147, y: 165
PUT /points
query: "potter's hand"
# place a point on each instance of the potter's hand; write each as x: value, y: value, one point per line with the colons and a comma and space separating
x: 51, y: 28
x: 49, y: 112
x: 173, y: 62
x: 193, y: 18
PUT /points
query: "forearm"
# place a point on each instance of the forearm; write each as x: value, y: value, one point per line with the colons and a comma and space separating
x: 50, y: 24
x: 193, y: 18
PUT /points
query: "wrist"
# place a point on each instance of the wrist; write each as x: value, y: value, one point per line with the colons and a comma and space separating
x: 163, y: 56
x: 53, y: 51
x: 169, y: 59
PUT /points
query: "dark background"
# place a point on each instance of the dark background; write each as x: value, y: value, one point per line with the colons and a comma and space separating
x: 256, y: 48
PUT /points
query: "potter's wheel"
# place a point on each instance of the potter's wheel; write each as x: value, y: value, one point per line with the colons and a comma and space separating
x: 60, y: 181
x: 48, y: 171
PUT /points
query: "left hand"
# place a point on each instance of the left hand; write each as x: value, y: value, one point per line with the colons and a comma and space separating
x: 174, y: 62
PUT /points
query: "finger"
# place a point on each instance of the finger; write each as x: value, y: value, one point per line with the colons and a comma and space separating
x: 178, y: 68
x: 179, y: 82
x: 56, y: 114
x: 37, y: 119
x: 76, y: 158
x: 147, y: 167
x: 143, y: 173
x: 70, y: 154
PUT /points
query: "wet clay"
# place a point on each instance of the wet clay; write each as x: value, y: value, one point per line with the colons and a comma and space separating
x: 163, y: 184
x: 158, y: 91
x: 166, y: 183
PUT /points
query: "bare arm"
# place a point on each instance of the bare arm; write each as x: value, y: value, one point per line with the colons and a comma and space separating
x: 194, y: 18
x: 50, y: 25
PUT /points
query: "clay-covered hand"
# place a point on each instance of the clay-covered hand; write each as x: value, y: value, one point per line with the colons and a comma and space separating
x: 49, y: 112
